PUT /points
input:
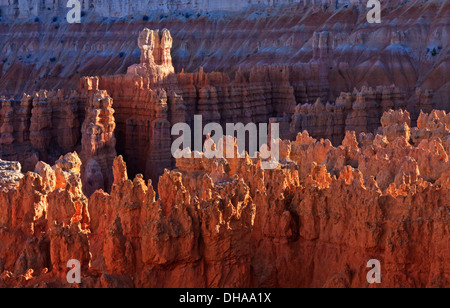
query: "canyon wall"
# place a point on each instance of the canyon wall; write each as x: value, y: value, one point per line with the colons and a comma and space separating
x: 314, y: 221
x: 409, y: 48
x: 23, y: 9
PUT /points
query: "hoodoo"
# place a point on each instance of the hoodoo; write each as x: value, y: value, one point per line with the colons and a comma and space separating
x: 338, y: 158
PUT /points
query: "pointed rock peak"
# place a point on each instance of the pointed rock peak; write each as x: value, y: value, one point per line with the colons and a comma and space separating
x: 350, y: 139
x: 120, y: 170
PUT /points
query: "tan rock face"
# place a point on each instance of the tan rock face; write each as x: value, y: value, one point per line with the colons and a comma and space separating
x: 225, y: 223
x: 156, y: 60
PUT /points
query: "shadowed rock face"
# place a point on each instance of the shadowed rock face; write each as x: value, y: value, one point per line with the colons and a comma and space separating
x: 315, y: 221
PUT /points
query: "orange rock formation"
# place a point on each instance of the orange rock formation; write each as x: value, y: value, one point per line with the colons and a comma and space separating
x: 314, y: 221
x: 364, y: 169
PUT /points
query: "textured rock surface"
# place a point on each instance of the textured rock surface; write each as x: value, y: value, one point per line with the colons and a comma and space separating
x: 409, y: 49
x: 359, y: 111
x: 41, y: 126
x: 314, y: 221
x: 98, y: 143
x: 150, y: 98
x: 274, y: 71
x: 116, y: 8
x: 364, y: 168
x: 147, y: 101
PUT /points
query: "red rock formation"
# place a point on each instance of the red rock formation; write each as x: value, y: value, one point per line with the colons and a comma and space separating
x: 228, y: 223
x: 41, y: 122
x: 147, y: 101
x: 156, y: 60
x: 39, y: 126
x: 254, y: 96
x: 313, y: 221
x: 151, y: 98
x: 98, y: 143
x: 322, y: 121
x: 359, y: 111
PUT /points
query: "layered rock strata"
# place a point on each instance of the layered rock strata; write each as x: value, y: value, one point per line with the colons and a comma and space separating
x: 330, y: 44
x: 40, y: 126
x: 148, y: 102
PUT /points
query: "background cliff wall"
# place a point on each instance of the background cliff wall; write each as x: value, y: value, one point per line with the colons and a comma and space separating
x: 409, y: 48
x: 23, y: 9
